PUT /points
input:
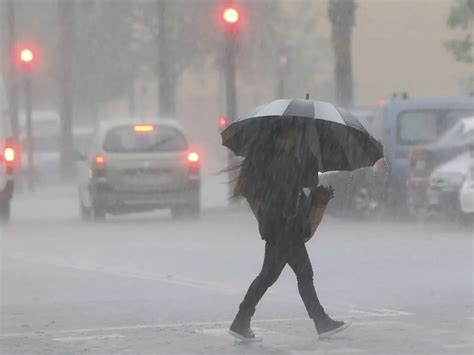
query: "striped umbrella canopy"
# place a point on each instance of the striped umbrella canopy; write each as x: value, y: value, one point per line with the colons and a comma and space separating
x: 333, y: 135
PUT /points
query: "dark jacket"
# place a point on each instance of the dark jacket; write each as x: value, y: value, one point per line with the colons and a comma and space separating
x: 283, y: 209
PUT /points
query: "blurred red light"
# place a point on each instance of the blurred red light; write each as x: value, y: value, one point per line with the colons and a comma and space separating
x: 9, y: 155
x: 26, y: 55
x: 99, y: 160
x: 231, y: 15
x: 193, y: 157
x: 222, y: 122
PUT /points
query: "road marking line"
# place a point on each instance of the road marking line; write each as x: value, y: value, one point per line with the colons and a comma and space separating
x: 91, y: 337
x: 380, y: 313
x: 216, y: 286
x: 377, y: 322
x: 347, y: 351
x: 457, y: 346
x: 175, y: 325
x: 168, y: 279
x: 145, y: 326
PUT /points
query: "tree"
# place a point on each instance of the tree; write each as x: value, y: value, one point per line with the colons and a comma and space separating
x: 174, y: 35
x: 461, y: 16
x: 342, y: 16
x: 105, y: 54
x: 66, y: 49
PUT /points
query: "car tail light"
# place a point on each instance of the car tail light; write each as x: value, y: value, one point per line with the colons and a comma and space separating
x: 193, y: 157
x: 193, y: 162
x: 10, y: 155
x: 99, y: 166
x: 417, y: 154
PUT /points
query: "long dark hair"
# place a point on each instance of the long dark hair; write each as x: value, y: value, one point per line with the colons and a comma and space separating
x: 249, y: 174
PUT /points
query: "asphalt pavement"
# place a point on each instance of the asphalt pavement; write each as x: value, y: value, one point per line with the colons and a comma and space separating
x: 147, y: 284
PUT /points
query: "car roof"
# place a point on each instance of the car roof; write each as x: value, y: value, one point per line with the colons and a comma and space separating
x: 460, y: 164
x: 468, y: 123
x: 427, y: 103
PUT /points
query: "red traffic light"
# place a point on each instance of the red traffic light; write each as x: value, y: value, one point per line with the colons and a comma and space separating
x: 230, y: 16
x: 26, y: 57
x: 222, y: 122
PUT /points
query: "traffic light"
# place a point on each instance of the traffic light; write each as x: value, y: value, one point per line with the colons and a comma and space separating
x: 230, y: 17
x: 222, y: 122
x: 26, y: 57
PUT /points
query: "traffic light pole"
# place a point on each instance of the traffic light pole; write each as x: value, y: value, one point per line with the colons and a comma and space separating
x: 12, y: 74
x: 29, y: 134
x: 230, y: 52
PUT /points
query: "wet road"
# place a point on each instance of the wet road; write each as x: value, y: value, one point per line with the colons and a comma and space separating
x: 150, y: 285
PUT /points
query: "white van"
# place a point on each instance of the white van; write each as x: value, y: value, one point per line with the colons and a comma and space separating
x: 8, y: 157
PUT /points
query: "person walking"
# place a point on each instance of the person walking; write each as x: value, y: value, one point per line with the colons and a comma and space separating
x: 274, y: 178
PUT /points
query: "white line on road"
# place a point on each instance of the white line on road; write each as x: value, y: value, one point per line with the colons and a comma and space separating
x: 380, y: 313
x: 217, y: 286
x: 143, y: 326
x: 347, y: 351
x: 457, y: 346
x: 91, y: 337
x: 173, y: 325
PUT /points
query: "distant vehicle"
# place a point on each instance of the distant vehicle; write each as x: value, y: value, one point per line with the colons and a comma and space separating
x: 135, y: 167
x: 9, y: 155
x: 466, y: 195
x: 46, y: 129
x: 358, y: 193
x: 408, y: 123
x: 366, y: 116
x: 47, y: 144
x: 445, y: 184
x: 423, y: 160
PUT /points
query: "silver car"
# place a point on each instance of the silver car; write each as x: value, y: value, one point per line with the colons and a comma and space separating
x: 135, y: 167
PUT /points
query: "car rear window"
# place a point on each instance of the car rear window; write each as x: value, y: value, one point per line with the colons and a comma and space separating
x: 126, y: 139
x: 426, y: 126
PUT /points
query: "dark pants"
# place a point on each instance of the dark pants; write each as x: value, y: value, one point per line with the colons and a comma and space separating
x: 276, y: 257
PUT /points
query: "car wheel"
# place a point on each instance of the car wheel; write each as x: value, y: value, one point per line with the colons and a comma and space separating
x: 193, y: 210
x: 85, y: 212
x: 5, y: 211
x: 468, y: 221
x: 420, y: 213
x: 177, y: 212
x: 97, y: 213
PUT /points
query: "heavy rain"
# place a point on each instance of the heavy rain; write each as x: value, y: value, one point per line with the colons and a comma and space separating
x: 284, y: 177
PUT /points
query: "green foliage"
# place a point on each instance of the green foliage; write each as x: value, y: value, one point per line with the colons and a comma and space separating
x: 461, y: 16
x: 461, y: 49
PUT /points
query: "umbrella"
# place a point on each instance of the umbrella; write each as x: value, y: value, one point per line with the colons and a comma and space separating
x: 333, y: 135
